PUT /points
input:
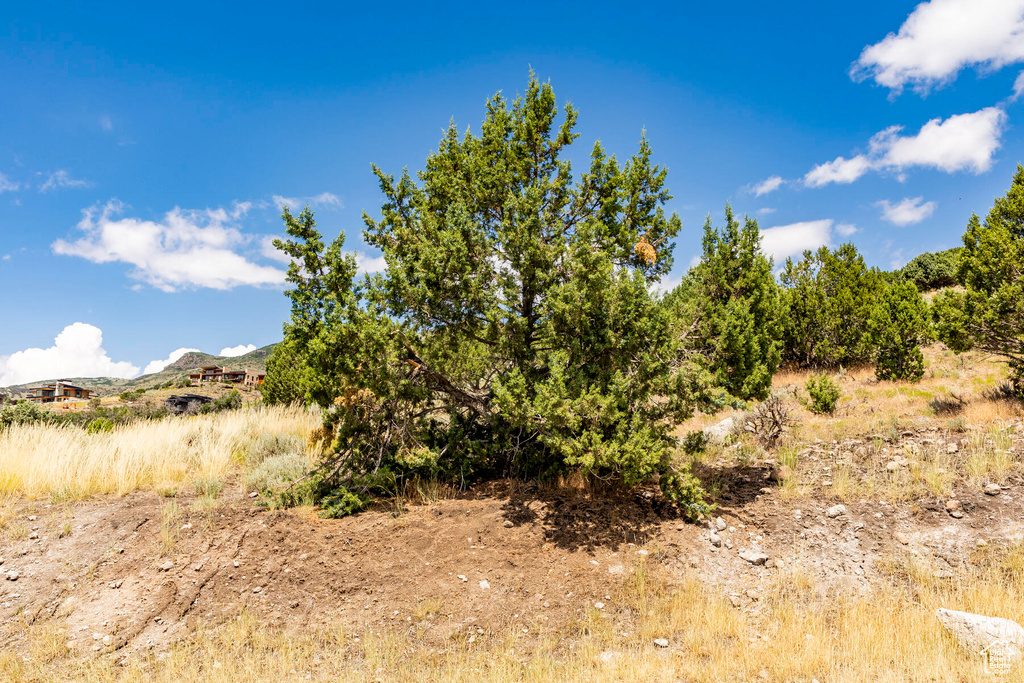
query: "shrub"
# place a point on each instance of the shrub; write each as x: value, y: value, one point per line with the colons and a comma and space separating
x: 824, y: 394
x: 25, y: 412
x: 829, y: 294
x: 896, y: 329
x: 695, y: 442
x: 768, y: 421
x: 275, y: 472
x: 932, y: 270
x: 100, y: 424
x: 207, y: 486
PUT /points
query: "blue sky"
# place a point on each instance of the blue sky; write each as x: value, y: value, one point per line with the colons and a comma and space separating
x: 145, y: 149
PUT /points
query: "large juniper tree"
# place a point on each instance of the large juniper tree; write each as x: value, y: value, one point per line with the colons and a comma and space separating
x: 988, y: 313
x: 512, y: 331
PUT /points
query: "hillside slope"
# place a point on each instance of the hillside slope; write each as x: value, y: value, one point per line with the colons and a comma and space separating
x: 108, y: 386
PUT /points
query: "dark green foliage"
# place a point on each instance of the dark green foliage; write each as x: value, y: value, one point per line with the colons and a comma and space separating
x: 988, y: 313
x: 229, y: 401
x: 288, y: 377
x: 829, y: 295
x: 730, y: 309
x: 897, y: 328
x: 695, y: 442
x: 513, y: 332
x: 100, y: 424
x: 25, y: 413
x: 824, y: 394
x: 932, y: 270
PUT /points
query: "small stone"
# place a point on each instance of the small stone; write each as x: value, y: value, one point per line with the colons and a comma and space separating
x: 599, y: 605
x: 992, y: 490
x: 952, y: 505
x: 485, y: 585
x: 253, y: 494
x: 166, y: 566
x: 235, y: 563
x: 13, y: 575
x: 735, y: 600
x: 508, y: 524
x: 34, y: 535
x: 661, y: 642
x: 716, y: 540
x: 642, y: 552
x: 753, y: 595
x: 462, y: 578
x: 901, y: 538
x: 956, y: 514
x: 835, y: 511
x: 953, y: 447
x: 720, y: 524
x: 892, y: 466
x: 257, y: 589
x: 107, y: 640
x: 754, y: 557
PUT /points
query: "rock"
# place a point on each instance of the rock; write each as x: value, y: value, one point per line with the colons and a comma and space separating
x: 835, y: 511
x: 599, y: 605
x: 257, y: 589
x: 508, y: 524
x: 901, y: 538
x: 661, y: 642
x: 166, y: 566
x: 735, y: 600
x: 253, y: 494
x: 33, y: 536
x: 952, y: 505
x: 976, y: 633
x: 892, y: 466
x: 754, y: 557
x: 992, y: 489
x: 484, y: 585
x: 720, y: 524
x: 462, y: 578
x: 719, y: 432
x: 12, y: 575
x: 107, y: 640
x: 753, y: 595
x: 952, y: 447
x: 715, y: 539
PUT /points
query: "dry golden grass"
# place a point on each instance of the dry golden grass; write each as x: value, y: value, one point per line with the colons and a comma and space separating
x: 801, y: 634
x: 67, y: 463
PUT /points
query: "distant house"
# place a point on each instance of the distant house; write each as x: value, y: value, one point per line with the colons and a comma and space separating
x: 253, y: 379
x: 60, y: 391
x: 212, y: 373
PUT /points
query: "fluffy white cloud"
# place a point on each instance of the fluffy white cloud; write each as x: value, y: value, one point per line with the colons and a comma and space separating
x: 160, y: 364
x: 784, y: 241
x: 232, y: 351
x: 62, y: 179
x: 7, y: 185
x: 186, y: 249
x: 906, y: 211
x: 370, y: 264
x: 964, y: 142
x: 76, y: 352
x: 766, y: 210
x: 766, y: 186
x: 846, y: 229
x: 940, y: 38
x: 324, y: 199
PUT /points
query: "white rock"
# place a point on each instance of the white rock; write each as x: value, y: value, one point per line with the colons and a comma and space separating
x: 715, y: 540
x: 167, y: 566
x: 661, y: 642
x: 484, y: 585
x: 952, y: 447
x: 755, y: 557
x: 992, y: 489
x: 720, y: 524
x: 462, y: 578
x: 835, y: 511
x: 13, y: 575
x: 719, y: 432
x: 975, y: 632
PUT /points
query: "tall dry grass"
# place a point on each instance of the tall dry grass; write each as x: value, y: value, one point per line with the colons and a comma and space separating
x: 66, y: 463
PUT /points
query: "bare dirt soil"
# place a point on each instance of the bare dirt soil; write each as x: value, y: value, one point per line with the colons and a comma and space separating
x: 135, y: 573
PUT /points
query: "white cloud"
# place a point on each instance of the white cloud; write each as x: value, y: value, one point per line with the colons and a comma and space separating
x: 61, y: 179
x: 158, y: 365
x: 7, y: 185
x: 964, y: 142
x: 106, y: 124
x: 370, y: 264
x: 77, y: 352
x: 1018, y: 87
x: 766, y: 186
x: 846, y: 229
x: 325, y: 199
x: 232, y: 351
x: 6, y: 257
x: 186, y: 249
x: 940, y: 38
x: 784, y: 241
x: 668, y: 282
x: 766, y: 210
x: 906, y: 211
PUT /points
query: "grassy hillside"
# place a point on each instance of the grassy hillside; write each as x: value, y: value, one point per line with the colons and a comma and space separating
x: 179, y: 369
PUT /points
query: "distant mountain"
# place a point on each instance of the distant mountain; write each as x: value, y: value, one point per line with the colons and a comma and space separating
x: 179, y: 369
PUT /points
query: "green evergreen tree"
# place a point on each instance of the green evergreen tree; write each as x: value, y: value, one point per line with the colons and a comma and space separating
x: 731, y: 309
x: 513, y: 331
x: 988, y: 313
x: 896, y: 329
x: 829, y: 296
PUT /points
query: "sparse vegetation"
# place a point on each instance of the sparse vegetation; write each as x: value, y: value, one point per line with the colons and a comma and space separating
x: 824, y: 394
